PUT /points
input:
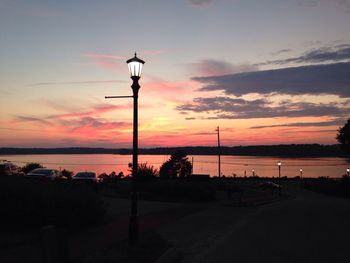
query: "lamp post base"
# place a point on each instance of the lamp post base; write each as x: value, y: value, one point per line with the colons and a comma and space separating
x: 133, y: 230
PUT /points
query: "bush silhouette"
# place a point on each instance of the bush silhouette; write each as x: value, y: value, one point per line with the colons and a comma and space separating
x: 66, y: 173
x: 146, y: 172
x: 30, y: 167
x: 28, y: 202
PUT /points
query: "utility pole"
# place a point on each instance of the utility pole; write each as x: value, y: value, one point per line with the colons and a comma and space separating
x: 219, y: 152
x: 192, y: 164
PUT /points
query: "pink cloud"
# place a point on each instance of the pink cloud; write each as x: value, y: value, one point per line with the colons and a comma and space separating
x: 110, y: 62
x: 102, y: 56
x: 170, y: 89
x: 96, y: 110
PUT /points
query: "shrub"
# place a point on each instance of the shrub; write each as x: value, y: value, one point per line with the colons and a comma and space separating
x: 30, y: 167
x: 66, y: 173
x: 146, y: 172
x: 33, y: 202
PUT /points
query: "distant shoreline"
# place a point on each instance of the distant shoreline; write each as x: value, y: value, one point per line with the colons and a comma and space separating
x: 290, y: 150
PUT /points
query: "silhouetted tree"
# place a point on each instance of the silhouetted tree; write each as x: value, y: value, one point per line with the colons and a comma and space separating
x: 146, y: 172
x: 177, y: 166
x: 120, y: 175
x: 112, y: 174
x: 167, y: 170
x: 343, y: 137
x: 103, y: 176
x: 30, y: 167
x: 67, y: 174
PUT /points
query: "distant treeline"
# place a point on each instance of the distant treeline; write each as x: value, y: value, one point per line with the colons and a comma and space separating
x: 290, y: 150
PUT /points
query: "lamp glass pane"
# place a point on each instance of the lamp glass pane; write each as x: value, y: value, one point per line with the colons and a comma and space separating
x: 135, y: 68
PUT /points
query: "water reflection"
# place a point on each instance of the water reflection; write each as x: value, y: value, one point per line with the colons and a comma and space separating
x: 230, y: 165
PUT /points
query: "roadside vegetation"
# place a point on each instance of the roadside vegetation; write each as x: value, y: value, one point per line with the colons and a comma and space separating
x: 28, y: 203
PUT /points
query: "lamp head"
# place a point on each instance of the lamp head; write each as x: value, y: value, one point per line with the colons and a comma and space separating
x: 279, y: 163
x: 135, y: 66
x: 348, y: 170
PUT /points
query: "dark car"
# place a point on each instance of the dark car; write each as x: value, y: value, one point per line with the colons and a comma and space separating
x: 86, y: 177
x: 45, y: 173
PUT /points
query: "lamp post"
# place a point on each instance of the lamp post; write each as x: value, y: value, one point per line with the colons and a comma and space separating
x: 301, y: 173
x: 279, y: 178
x: 253, y: 172
x: 135, y: 68
x: 348, y: 171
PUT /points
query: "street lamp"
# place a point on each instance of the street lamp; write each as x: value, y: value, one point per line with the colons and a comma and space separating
x: 279, y: 177
x: 135, y: 68
x: 301, y: 173
x: 348, y: 171
x: 253, y: 172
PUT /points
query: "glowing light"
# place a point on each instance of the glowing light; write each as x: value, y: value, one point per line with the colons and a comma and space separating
x: 135, y: 66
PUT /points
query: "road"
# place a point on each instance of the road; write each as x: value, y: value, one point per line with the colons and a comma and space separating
x: 310, y: 227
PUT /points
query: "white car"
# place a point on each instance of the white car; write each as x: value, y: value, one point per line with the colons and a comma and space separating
x: 45, y: 173
x: 8, y: 168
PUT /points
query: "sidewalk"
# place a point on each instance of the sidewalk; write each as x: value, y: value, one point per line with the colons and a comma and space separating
x: 106, y: 236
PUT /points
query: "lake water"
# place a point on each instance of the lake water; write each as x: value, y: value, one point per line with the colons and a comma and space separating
x: 239, y: 165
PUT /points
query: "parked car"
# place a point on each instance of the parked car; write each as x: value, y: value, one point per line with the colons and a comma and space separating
x: 269, y: 185
x: 8, y: 168
x: 86, y: 177
x: 45, y: 173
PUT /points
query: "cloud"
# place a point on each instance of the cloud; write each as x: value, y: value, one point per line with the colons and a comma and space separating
x: 31, y: 119
x: 201, y: 3
x: 336, y: 122
x: 315, y: 79
x: 102, y: 56
x: 96, y: 110
x: 237, y: 108
x: 337, y: 53
x: 90, y: 127
x: 279, y: 52
x: 88, y: 82
x: 212, y: 67
x: 107, y: 61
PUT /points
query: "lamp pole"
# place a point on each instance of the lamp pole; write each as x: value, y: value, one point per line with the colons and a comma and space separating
x: 133, y: 224
x: 301, y: 173
x: 348, y: 171
x: 135, y: 68
x: 253, y: 172
x: 279, y: 177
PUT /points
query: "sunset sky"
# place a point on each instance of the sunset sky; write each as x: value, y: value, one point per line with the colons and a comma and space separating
x: 265, y: 71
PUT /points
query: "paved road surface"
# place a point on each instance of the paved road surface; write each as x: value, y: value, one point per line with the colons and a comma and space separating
x: 308, y: 228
